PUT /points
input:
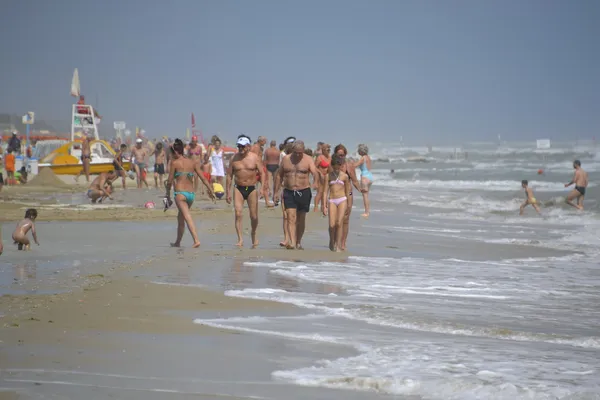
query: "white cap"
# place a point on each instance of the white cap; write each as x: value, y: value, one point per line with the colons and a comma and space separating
x: 138, y: 140
x: 243, y: 141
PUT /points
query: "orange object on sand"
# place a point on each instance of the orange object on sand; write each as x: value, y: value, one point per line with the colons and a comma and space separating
x: 540, y: 171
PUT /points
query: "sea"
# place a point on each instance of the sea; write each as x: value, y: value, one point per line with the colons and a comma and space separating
x: 448, y: 292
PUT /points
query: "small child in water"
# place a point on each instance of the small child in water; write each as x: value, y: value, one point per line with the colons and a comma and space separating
x: 529, y: 198
x: 23, y: 227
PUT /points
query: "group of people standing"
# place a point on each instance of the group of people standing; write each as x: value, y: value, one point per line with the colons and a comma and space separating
x: 284, y: 176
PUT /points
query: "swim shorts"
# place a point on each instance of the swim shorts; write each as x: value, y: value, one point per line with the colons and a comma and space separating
x: 298, y: 199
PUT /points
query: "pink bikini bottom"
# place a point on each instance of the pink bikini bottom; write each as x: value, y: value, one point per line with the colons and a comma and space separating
x: 339, y: 201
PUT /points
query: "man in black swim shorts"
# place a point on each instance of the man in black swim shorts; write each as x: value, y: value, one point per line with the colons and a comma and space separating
x: 294, y: 172
x: 244, y: 166
x: 580, y: 179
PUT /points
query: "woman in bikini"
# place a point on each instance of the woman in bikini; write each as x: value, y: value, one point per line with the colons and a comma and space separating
x: 322, y: 163
x: 336, y: 192
x: 181, y: 176
x: 194, y: 152
x: 366, y: 177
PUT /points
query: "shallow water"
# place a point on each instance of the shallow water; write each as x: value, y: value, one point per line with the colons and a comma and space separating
x: 450, y: 294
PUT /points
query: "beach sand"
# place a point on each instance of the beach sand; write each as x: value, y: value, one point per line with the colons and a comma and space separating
x: 116, y: 333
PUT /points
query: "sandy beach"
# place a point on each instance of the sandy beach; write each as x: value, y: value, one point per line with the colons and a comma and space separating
x: 431, y: 301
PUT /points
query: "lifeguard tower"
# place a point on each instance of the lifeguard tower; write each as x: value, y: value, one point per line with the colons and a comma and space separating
x: 83, y: 122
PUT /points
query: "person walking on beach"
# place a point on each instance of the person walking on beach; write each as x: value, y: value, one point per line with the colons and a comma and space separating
x: 194, y: 152
x: 366, y: 177
x: 286, y: 148
x: 86, y: 159
x: 272, y: 159
x: 245, y: 167
x: 348, y: 168
x: 580, y: 179
x: 258, y: 148
x: 159, y: 165
x: 214, y: 155
x: 294, y: 173
x: 322, y: 162
x: 529, y: 198
x: 140, y: 156
x: 1, y: 170
x: 118, y: 164
x: 23, y: 227
x: 9, y: 166
x: 181, y: 177
x: 101, y: 187
x: 336, y: 191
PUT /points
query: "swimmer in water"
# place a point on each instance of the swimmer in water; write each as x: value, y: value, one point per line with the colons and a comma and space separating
x: 529, y: 198
x: 23, y: 227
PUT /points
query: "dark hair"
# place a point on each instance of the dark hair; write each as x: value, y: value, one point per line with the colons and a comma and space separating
x: 336, y: 160
x: 214, y: 138
x: 577, y: 162
x: 287, y: 147
x: 178, y: 146
x: 159, y: 146
x: 123, y: 146
x: 308, y: 152
x: 341, y: 147
x: 524, y: 182
x: 281, y: 147
x: 31, y: 213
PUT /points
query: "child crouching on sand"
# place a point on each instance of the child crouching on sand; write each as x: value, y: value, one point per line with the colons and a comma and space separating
x: 335, y: 202
x: 529, y: 198
x: 23, y: 227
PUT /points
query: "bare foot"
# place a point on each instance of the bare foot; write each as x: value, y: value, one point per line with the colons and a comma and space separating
x: 299, y: 247
x: 283, y: 244
x: 338, y: 250
x: 196, y: 245
x: 289, y: 247
x: 255, y: 245
x: 175, y: 244
x: 240, y: 243
x: 366, y: 215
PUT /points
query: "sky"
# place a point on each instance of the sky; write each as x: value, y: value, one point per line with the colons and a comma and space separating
x: 439, y: 72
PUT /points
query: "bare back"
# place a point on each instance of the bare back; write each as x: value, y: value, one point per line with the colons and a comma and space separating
x: 580, y: 178
x: 272, y: 155
x: 23, y: 227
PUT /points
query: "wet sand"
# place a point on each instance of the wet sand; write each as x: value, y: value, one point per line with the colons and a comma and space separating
x: 109, y: 331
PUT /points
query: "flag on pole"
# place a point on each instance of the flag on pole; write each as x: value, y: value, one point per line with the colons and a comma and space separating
x: 75, y: 88
x: 137, y: 132
x: 193, y: 121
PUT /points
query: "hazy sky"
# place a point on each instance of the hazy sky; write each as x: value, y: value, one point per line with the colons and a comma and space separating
x: 431, y: 71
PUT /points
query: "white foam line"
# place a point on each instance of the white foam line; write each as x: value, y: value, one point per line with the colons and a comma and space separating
x: 156, y: 390
x: 122, y: 376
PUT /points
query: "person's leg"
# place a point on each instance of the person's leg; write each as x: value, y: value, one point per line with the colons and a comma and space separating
x: 573, y: 194
x: 580, y: 202
x: 138, y: 175
x: 253, y: 210
x: 346, y: 226
x: 366, y: 185
x: 339, y: 225
x: 286, y: 231
x: 333, y: 217
x: 123, y: 178
x: 318, y: 195
x: 180, y: 229
x: 156, y: 179
x: 291, y: 226
x: 86, y: 168
x: 161, y: 179
x: 238, y: 206
x: 522, y: 208
x: 187, y: 216
x: 300, y: 227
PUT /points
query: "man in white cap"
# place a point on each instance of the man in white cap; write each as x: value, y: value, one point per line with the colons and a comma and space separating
x: 141, y: 156
x: 245, y: 166
x: 294, y: 172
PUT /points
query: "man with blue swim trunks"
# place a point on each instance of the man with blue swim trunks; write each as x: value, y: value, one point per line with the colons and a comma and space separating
x: 245, y: 166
